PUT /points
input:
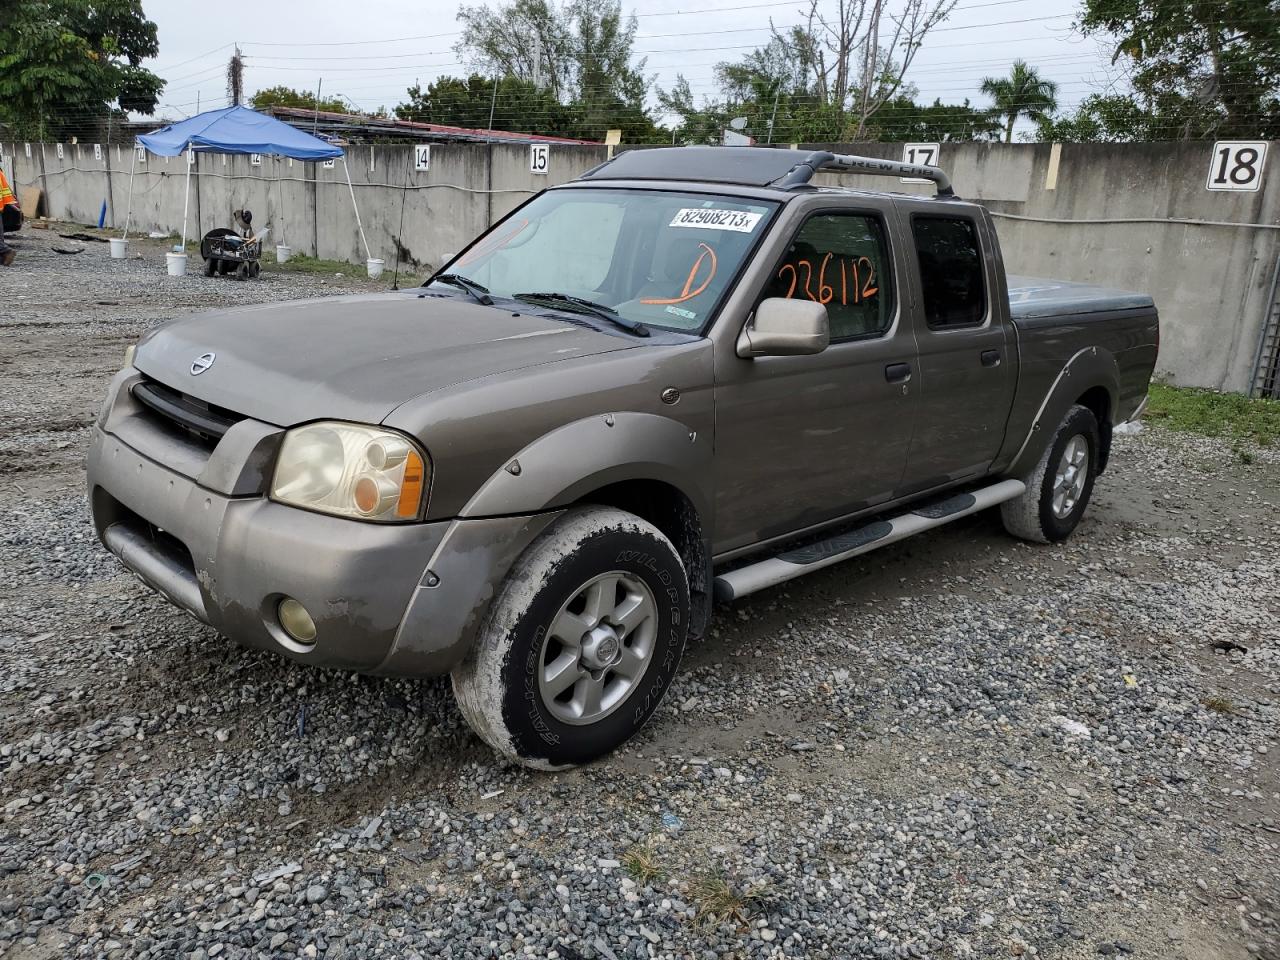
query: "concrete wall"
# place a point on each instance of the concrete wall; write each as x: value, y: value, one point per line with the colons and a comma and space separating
x: 1210, y: 282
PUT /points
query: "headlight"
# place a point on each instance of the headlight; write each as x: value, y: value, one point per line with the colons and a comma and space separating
x: 352, y: 471
x: 130, y: 352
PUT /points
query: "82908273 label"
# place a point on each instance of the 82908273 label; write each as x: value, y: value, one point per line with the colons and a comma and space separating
x: 739, y: 221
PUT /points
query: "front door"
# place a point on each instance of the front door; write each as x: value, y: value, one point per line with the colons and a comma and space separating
x: 966, y: 369
x: 803, y: 440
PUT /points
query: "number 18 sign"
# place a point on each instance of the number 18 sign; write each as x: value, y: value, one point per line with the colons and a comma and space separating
x: 1237, y: 165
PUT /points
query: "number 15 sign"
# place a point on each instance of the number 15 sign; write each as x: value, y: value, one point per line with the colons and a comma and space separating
x: 1237, y: 165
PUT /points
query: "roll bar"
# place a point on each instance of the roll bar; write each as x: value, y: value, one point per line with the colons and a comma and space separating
x: 803, y: 172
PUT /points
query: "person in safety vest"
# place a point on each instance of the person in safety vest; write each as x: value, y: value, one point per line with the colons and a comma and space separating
x: 10, y: 213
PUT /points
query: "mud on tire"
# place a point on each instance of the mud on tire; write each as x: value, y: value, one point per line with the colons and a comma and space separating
x: 592, y: 559
x: 1032, y: 516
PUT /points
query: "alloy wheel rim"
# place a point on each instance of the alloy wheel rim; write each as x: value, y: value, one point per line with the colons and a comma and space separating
x: 597, y: 648
x: 1070, y: 476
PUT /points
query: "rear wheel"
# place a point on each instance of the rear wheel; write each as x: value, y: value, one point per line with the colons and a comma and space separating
x: 581, y: 643
x: 210, y: 267
x: 1059, y: 488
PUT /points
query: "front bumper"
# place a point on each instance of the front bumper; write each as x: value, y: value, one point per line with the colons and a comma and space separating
x: 195, y: 525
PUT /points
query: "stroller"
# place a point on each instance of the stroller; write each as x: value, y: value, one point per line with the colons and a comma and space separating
x: 225, y: 251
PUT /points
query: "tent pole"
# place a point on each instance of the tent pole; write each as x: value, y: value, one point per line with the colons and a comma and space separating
x: 186, y: 200
x: 355, y: 208
x: 128, y: 209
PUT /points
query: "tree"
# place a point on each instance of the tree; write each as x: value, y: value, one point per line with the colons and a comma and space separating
x: 1200, y: 70
x: 696, y: 124
x: 235, y: 79
x: 905, y: 121
x: 1112, y: 118
x: 823, y: 80
x: 858, y: 58
x: 281, y: 96
x: 466, y: 102
x: 68, y: 65
x: 1024, y: 93
x: 580, y: 56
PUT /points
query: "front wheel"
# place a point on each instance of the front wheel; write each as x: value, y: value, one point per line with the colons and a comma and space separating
x: 1059, y: 487
x: 581, y: 643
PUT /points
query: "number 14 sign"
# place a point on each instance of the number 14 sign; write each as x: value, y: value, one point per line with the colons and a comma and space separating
x: 1237, y: 165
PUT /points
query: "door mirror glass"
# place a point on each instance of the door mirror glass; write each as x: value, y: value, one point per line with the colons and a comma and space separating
x: 785, y: 328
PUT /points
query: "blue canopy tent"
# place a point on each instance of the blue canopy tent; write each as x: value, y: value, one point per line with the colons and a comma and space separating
x: 239, y: 130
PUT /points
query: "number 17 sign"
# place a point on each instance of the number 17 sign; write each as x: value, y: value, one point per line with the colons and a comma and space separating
x: 925, y: 154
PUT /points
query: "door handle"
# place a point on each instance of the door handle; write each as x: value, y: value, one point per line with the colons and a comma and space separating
x: 897, y: 372
x: 990, y: 358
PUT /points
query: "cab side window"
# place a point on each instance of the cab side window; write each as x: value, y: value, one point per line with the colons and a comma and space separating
x: 950, y: 271
x: 841, y: 260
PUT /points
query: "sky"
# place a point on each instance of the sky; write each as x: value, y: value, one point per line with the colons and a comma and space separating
x: 370, y: 60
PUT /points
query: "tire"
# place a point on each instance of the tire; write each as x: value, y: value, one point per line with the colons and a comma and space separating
x: 242, y: 272
x: 1038, y: 514
x: 210, y: 267
x: 254, y: 270
x: 592, y: 559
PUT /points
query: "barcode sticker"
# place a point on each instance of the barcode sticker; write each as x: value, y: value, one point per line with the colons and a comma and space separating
x: 704, y: 218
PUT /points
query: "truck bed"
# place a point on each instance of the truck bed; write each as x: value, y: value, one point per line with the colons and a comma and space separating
x: 1034, y: 297
x: 1055, y: 320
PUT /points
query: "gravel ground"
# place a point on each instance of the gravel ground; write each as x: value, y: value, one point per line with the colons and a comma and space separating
x: 959, y: 746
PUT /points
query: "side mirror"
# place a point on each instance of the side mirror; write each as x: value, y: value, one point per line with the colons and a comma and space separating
x: 785, y: 328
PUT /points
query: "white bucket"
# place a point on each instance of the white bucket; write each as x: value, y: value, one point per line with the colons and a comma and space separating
x: 283, y: 253
x: 177, y: 263
x: 119, y: 248
x: 374, y: 265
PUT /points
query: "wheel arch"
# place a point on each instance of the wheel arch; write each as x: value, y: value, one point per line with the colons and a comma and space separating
x: 1102, y: 402
x: 1090, y: 378
x: 652, y: 466
x: 671, y: 511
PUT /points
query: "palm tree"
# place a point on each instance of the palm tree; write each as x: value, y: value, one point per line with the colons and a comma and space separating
x: 1022, y: 93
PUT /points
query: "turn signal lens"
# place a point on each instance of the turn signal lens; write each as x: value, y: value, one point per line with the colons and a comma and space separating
x: 352, y: 470
x: 412, y: 486
x: 130, y: 352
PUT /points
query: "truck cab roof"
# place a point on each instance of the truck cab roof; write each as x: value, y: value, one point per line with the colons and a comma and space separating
x: 786, y: 172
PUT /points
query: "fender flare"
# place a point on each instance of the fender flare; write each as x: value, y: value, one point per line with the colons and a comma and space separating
x: 571, y: 461
x: 1089, y: 368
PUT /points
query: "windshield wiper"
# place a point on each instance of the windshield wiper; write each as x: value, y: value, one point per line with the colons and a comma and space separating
x: 478, y: 293
x: 591, y: 307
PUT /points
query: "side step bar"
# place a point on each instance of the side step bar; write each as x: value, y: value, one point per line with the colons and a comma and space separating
x: 814, y: 556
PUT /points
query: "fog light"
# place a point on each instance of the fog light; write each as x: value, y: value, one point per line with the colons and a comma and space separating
x: 296, y: 621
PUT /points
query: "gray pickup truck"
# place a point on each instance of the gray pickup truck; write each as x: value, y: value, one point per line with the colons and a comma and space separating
x: 688, y: 375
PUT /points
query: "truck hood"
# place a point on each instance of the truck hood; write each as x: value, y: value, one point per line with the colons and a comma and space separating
x: 352, y: 358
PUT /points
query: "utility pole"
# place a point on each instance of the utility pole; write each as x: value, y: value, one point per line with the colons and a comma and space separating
x: 774, y: 117
x: 315, y: 113
x: 493, y: 103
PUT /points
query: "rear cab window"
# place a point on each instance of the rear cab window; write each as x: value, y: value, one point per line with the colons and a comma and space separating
x: 840, y: 260
x: 952, y: 281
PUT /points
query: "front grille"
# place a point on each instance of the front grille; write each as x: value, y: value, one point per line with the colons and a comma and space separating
x: 182, y: 412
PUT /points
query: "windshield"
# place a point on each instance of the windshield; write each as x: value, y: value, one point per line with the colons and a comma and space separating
x: 661, y: 258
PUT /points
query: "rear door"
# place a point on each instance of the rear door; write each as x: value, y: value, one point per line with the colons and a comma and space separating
x: 802, y: 440
x: 966, y: 365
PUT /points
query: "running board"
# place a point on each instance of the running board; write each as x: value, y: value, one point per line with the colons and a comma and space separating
x: 814, y: 556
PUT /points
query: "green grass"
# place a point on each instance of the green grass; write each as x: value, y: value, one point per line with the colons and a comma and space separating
x: 717, y: 899
x: 642, y: 863
x: 1219, y: 704
x: 1212, y: 414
